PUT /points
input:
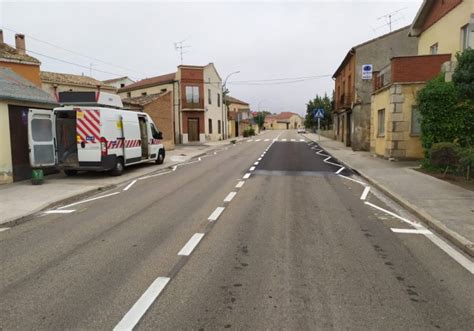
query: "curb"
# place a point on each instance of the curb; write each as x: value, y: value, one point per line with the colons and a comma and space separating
x: 456, y: 239
x: 30, y: 215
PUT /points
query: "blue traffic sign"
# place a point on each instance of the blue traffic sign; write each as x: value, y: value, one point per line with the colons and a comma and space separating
x: 319, y: 113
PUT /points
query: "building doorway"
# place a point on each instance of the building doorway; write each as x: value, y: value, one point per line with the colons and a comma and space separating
x: 193, y: 129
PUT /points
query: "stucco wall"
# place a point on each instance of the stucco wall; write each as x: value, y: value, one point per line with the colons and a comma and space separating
x: 27, y: 71
x: 397, y: 142
x: 447, y: 31
x: 6, y: 169
x: 214, y: 112
x: 378, y: 53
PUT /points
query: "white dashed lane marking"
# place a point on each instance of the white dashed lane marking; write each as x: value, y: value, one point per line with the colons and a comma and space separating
x: 140, y: 307
x: 60, y: 211
x: 230, y: 196
x: 240, y: 184
x: 216, y: 213
x: 246, y: 176
x: 252, y: 168
x: 191, y: 244
x: 413, y: 231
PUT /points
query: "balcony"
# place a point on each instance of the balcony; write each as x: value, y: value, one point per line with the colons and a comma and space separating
x: 344, y: 101
x: 197, y: 106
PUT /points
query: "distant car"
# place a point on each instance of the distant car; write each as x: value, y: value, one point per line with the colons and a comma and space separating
x: 301, y: 130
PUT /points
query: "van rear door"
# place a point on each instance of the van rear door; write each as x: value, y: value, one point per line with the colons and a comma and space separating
x: 41, y: 138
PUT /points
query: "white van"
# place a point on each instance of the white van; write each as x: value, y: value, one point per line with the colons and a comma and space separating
x: 76, y: 138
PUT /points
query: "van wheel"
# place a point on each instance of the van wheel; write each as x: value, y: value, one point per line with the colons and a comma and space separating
x: 70, y: 172
x: 118, y: 169
x: 160, y: 158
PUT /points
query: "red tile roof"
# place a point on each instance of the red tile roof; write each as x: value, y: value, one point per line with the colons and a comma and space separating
x: 285, y: 115
x: 147, y: 82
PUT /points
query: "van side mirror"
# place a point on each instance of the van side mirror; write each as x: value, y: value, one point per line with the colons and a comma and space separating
x: 160, y: 135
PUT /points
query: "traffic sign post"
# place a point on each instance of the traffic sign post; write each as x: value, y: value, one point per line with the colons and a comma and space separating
x: 319, y: 114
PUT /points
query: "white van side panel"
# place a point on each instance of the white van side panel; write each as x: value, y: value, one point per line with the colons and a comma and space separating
x: 131, y: 130
x: 88, y: 127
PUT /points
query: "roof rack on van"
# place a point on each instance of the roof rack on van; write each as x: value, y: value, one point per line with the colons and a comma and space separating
x: 100, y: 99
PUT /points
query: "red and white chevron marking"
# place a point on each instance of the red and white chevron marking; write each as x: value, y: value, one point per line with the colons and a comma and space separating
x: 132, y: 143
x: 155, y: 141
x: 115, y: 144
x: 88, y: 125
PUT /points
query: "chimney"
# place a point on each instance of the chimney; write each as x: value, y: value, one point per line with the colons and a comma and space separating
x: 1, y: 36
x: 20, y: 43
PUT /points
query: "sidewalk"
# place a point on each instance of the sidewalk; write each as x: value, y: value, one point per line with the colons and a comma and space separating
x: 20, y: 200
x: 446, y: 208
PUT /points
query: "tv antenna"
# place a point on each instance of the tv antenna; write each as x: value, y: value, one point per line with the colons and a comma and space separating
x: 391, y: 18
x: 180, y: 47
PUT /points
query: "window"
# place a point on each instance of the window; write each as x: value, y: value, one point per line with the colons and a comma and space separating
x: 122, y: 85
x: 218, y: 100
x: 192, y: 94
x: 163, y: 90
x: 434, y: 49
x: 129, y: 94
x: 209, y: 97
x: 415, y: 121
x: 218, y: 126
x: 210, y: 126
x: 465, y: 37
x: 381, y: 122
x: 143, y: 93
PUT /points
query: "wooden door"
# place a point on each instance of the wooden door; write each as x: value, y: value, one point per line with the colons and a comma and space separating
x: 193, y: 129
x: 18, y: 118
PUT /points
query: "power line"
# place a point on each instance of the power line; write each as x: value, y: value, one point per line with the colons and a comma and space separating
x: 278, y: 81
x: 75, y: 52
x: 71, y: 63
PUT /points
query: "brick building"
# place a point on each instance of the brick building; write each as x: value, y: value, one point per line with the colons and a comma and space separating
x: 198, y: 112
x: 160, y: 108
x: 353, y: 92
x: 395, y: 120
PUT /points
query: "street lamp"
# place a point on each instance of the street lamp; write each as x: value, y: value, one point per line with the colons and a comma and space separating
x: 224, y: 132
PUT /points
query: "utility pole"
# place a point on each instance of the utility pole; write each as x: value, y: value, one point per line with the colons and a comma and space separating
x: 179, y: 46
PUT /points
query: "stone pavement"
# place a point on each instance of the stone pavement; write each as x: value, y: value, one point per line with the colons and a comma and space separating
x: 18, y: 201
x: 446, y: 208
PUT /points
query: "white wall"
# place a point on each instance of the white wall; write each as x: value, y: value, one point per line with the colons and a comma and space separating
x: 214, y: 111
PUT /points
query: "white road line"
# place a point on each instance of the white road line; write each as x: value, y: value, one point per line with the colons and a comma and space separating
x: 255, y: 163
x: 414, y: 231
x: 216, y: 213
x: 240, y: 184
x: 129, y: 185
x: 4, y: 229
x: 215, y: 153
x: 461, y: 259
x: 133, y: 316
x: 354, y: 180
x: 257, y: 140
x: 301, y: 139
x: 174, y: 168
x: 88, y: 200
x: 191, y: 244
x: 160, y: 174
x: 260, y: 159
x: 230, y: 196
x: 283, y: 139
x: 60, y: 211
x: 293, y: 139
x: 267, y: 139
x: 252, y: 168
x: 250, y: 140
x: 364, y: 194
x: 342, y: 168
x: 393, y: 214
x: 246, y: 176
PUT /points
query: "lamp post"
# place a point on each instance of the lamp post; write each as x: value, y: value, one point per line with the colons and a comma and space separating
x: 224, y: 117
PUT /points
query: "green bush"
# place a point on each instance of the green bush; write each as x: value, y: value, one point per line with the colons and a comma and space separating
x: 463, y: 76
x: 466, y: 160
x: 248, y: 132
x: 444, y: 155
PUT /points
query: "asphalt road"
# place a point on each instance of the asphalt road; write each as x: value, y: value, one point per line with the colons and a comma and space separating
x: 296, y: 247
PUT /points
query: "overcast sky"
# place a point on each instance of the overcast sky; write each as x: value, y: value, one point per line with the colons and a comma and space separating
x: 263, y: 40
